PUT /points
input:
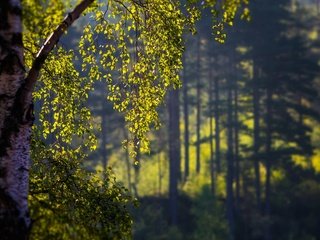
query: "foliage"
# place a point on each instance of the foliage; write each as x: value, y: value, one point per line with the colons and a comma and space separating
x: 67, y: 202
x: 140, y: 48
x: 142, y: 42
x: 137, y: 48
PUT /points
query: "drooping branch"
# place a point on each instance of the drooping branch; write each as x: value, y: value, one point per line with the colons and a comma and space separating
x: 47, y: 47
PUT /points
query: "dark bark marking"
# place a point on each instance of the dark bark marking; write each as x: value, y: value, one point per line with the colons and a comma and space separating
x: 2, y: 172
x: 22, y: 169
x: 10, y: 220
x: 16, y: 39
x: 15, y: 10
x: 5, y: 9
x: 6, y: 200
x: 18, y: 116
x: 7, y: 65
x: 5, y: 97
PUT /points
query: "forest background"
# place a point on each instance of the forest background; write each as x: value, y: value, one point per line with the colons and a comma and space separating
x: 248, y: 153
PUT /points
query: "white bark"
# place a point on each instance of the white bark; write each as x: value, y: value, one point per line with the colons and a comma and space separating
x: 14, y: 134
x: 16, y: 115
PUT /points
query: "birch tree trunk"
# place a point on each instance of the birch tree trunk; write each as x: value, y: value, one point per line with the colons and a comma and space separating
x: 16, y: 115
x: 15, y: 126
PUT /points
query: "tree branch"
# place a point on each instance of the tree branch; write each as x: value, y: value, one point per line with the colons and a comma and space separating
x: 46, y: 48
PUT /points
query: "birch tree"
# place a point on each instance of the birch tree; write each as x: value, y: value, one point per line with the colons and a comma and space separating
x: 141, y: 42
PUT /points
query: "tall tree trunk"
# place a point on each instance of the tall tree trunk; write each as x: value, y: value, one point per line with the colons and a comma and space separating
x: 128, y: 170
x: 217, y: 123
x: 104, y: 139
x: 174, y: 153
x: 300, y: 103
x: 236, y: 144
x: 186, y: 121
x: 128, y: 164
x: 212, y: 167
x: 136, y: 167
x: 16, y: 119
x: 16, y: 115
x: 268, y: 160
x: 198, y: 106
x: 161, y: 143
x: 230, y: 164
x: 256, y: 134
x: 159, y: 174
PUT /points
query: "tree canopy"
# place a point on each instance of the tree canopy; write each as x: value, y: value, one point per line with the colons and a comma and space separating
x: 136, y: 47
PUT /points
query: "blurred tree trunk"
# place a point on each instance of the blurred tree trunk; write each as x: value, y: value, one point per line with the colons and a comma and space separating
x: 256, y: 134
x: 136, y: 167
x: 104, y: 138
x: 217, y: 123
x: 230, y: 162
x: 174, y: 153
x: 162, y: 142
x: 300, y: 103
x: 128, y: 164
x: 198, y: 124
x: 186, y: 120
x: 268, y: 159
x: 128, y: 170
x: 236, y: 144
x: 159, y: 174
x: 212, y: 167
